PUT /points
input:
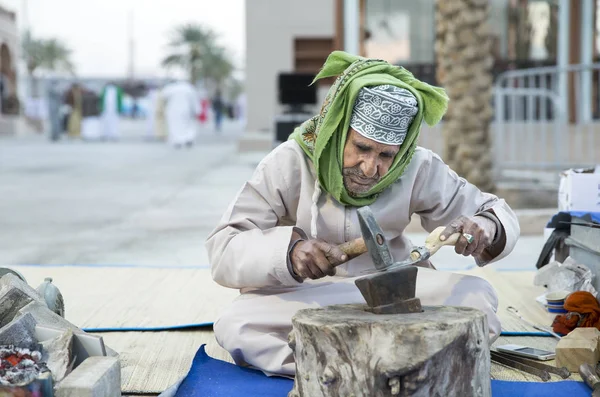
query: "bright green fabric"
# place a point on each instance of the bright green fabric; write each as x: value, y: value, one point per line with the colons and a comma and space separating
x: 323, y: 136
x: 119, y: 100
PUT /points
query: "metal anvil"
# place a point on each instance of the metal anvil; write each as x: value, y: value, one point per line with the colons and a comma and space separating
x: 391, y: 290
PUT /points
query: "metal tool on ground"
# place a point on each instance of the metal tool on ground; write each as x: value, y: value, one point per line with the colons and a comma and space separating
x: 376, y: 240
x: 512, y: 310
x: 562, y: 372
x: 391, y: 288
x: 518, y: 363
x: 590, y: 376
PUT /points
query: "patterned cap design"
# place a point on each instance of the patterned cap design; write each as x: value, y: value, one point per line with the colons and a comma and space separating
x: 384, y: 113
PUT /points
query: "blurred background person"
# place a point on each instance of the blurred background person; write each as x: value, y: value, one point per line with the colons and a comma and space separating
x: 156, y: 125
x: 181, y: 111
x: 111, y: 107
x: 54, y: 110
x: 91, y: 122
x: 218, y: 109
x: 74, y: 98
x: 204, y: 104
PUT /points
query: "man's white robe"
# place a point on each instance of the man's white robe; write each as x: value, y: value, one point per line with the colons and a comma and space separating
x: 248, y: 249
x: 110, y: 113
x: 182, y: 108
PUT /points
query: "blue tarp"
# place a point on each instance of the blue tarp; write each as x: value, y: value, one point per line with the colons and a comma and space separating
x: 214, y: 378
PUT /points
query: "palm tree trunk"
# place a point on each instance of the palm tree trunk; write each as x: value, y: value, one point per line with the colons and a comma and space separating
x: 464, y: 62
x: 193, y: 74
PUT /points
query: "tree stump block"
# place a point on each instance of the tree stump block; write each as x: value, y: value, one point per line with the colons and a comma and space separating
x: 344, y: 350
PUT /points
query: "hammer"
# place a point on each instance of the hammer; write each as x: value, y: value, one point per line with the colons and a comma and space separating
x: 357, y: 247
x: 391, y: 289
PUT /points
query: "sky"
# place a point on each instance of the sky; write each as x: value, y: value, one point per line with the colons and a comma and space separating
x: 97, y: 30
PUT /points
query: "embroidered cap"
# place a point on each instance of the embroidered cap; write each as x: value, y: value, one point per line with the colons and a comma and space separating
x: 384, y: 113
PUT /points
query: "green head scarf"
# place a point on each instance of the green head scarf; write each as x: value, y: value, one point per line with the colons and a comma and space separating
x: 323, y: 137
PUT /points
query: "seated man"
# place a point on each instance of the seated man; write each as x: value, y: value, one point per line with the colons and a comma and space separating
x: 360, y: 150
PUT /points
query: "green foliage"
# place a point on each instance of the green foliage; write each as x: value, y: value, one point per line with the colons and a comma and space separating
x: 195, y: 49
x: 47, y: 54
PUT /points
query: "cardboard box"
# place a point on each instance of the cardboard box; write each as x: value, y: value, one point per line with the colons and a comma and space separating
x: 579, y: 190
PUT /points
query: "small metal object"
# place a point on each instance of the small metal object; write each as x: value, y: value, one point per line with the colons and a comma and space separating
x: 469, y: 237
x: 591, y: 378
x: 422, y: 252
x: 511, y: 362
x: 562, y: 371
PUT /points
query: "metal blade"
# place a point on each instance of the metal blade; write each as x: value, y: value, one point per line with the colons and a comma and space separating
x: 543, y: 374
x: 562, y: 372
x: 424, y: 254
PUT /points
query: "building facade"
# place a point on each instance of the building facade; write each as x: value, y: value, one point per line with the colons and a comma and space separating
x: 278, y: 35
x: 287, y: 36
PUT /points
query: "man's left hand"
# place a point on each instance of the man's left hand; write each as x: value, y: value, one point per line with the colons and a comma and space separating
x: 482, y: 229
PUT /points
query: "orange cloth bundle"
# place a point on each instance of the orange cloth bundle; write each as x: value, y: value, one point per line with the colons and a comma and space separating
x: 583, y: 311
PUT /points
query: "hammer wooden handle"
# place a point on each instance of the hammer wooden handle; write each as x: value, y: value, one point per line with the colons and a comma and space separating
x: 433, y: 242
x: 354, y: 248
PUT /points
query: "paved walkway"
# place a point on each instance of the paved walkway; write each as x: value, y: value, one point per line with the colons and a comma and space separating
x: 129, y: 202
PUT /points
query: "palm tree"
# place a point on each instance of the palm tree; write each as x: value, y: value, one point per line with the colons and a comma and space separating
x: 464, y: 62
x: 235, y: 88
x: 189, y: 43
x: 195, y: 50
x: 47, y: 55
x: 216, y: 66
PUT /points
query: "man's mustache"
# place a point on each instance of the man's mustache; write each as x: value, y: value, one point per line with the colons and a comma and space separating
x: 356, y: 171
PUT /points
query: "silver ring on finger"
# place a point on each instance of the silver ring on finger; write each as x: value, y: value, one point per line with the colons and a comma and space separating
x: 469, y: 237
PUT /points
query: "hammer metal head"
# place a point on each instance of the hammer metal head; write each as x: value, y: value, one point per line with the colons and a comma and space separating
x: 391, y: 290
x: 374, y: 239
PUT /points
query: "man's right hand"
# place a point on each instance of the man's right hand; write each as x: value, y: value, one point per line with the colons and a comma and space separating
x: 316, y: 259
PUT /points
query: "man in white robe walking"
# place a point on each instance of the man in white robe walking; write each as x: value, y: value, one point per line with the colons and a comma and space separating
x: 278, y: 240
x: 181, y: 110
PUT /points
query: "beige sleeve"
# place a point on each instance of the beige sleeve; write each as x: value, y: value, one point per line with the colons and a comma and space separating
x: 440, y: 196
x: 248, y: 249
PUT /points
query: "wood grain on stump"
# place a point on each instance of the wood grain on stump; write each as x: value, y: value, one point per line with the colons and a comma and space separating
x: 343, y: 350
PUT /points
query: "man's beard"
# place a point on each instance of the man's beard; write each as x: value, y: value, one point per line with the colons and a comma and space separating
x: 363, y: 185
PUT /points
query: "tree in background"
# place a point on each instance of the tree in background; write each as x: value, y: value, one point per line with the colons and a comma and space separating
x: 217, y: 67
x: 188, y: 44
x: 49, y: 55
x: 463, y: 52
x: 235, y: 88
x: 195, y: 49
